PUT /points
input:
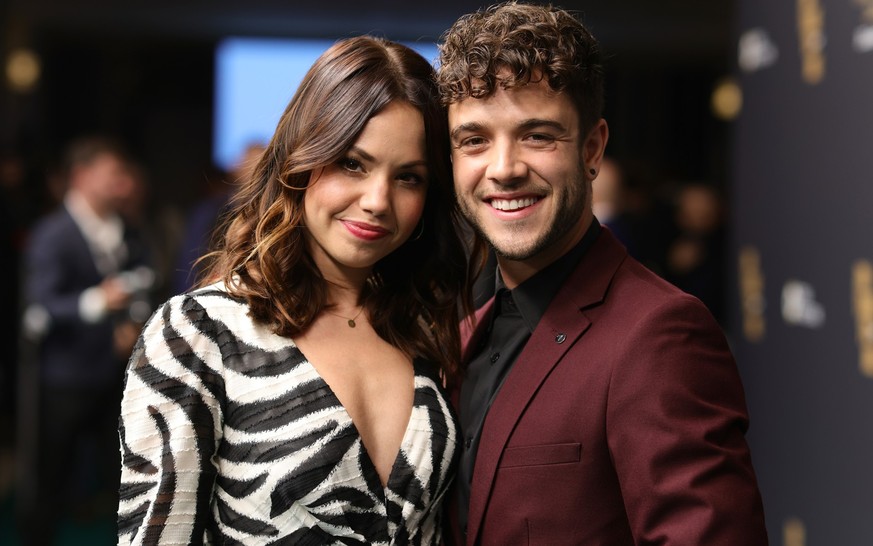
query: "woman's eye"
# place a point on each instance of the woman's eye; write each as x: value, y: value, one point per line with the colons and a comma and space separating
x: 411, y: 179
x: 350, y: 164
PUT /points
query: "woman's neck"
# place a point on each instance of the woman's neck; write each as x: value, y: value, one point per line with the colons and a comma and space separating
x: 345, y: 294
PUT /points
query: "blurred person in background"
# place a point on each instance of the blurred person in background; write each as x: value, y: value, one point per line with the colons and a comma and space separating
x: 84, y: 270
x: 608, y: 201
x: 695, y: 260
x: 159, y: 226
x: 206, y: 215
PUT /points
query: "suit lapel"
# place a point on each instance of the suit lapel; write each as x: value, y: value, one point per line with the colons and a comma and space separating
x: 561, y: 326
x: 84, y: 257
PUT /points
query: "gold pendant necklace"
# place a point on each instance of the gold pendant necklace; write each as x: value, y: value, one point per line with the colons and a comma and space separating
x: 351, y: 321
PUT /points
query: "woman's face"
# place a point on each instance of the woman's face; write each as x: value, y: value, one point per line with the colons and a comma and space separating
x: 363, y: 207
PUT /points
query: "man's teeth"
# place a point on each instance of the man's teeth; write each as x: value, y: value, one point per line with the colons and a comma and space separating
x: 513, y: 204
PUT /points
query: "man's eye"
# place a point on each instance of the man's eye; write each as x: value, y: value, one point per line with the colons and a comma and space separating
x: 540, y: 137
x: 472, y: 142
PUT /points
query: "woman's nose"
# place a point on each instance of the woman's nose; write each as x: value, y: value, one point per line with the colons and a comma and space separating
x: 376, y: 196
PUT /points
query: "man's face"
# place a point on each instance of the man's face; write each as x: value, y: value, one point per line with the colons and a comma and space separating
x: 521, y: 165
x: 106, y: 182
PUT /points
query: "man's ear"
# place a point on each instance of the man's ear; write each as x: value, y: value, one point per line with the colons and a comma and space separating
x: 594, y: 147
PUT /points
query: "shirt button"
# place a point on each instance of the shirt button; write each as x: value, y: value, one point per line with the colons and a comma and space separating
x: 495, y: 357
x: 468, y: 443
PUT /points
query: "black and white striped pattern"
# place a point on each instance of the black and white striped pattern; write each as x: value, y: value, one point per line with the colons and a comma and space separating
x: 230, y: 436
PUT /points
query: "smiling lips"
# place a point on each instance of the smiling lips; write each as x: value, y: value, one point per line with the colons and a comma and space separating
x: 509, y: 205
x: 363, y: 230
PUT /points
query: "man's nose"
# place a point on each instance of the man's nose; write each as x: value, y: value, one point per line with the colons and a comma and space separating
x: 505, y: 165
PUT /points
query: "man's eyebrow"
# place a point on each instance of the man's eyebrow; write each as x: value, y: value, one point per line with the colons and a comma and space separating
x: 533, y: 123
x: 469, y: 126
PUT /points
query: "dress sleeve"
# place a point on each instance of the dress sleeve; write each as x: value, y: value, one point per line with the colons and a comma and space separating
x: 170, y: 429
x: 676, y: 423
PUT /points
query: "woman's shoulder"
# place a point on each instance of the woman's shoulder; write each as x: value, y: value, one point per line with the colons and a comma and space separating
x: 213, y: 299
x: 215, y: 311
x: 214, y: 293
x: 200, y: 306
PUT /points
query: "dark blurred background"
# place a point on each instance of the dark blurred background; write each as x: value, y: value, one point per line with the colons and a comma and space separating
x: 724, y: 141
x: 145, y: 73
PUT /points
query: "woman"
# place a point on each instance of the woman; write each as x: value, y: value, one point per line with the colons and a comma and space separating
x: 297, y: 397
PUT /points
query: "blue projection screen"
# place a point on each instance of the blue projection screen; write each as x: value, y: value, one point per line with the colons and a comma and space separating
x: 254, y: 80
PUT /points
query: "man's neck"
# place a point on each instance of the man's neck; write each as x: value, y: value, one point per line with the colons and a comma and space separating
x: 515, y: 272
x: 83, y: 202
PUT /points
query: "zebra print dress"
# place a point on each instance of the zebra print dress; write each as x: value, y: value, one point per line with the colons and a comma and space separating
x: 230, y: 436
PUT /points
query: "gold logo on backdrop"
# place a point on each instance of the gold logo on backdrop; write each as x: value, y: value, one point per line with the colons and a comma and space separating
x: 810, y: 27
x: 752, y: 293
x: 866, y: 9
x: 794, y: 532
x: 862, y: 38
x: 862, y: 299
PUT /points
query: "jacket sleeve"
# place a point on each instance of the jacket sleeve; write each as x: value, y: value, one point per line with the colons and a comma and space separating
x: 676, y: 421
x: 52, y: 279
x: 170, y: 427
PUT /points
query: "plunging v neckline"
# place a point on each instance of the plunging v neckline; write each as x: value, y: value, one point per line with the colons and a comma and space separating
x: 371, y: 466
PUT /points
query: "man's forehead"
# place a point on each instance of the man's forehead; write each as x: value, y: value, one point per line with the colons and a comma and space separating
x: 534, y: 94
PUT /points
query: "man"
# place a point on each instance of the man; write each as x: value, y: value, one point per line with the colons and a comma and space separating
x: 84, y: 268
x: 205, y: 218
x: 601, y: 405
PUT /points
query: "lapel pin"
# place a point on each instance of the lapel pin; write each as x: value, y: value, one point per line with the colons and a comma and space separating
x: 560, y: 338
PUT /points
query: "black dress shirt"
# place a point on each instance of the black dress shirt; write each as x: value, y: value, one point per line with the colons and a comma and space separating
x: 514, y: 317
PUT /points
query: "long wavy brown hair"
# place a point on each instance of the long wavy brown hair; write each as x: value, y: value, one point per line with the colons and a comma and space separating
x: 414, y: 294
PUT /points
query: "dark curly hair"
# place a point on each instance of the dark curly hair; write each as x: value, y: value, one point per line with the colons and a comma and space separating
x: 413, y: 294
x: 511, y: 44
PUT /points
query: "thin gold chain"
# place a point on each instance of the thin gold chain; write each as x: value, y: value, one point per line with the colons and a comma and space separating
x: 350, y: 321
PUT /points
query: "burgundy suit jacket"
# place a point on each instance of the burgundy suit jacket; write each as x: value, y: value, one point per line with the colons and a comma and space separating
x: 621, y: 423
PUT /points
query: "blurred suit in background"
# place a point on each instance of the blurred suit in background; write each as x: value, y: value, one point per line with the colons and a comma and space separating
x: 87, y: 282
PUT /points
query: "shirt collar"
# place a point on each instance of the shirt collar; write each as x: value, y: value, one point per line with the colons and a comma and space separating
x: 105, y: 236
x: 533, y: 296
